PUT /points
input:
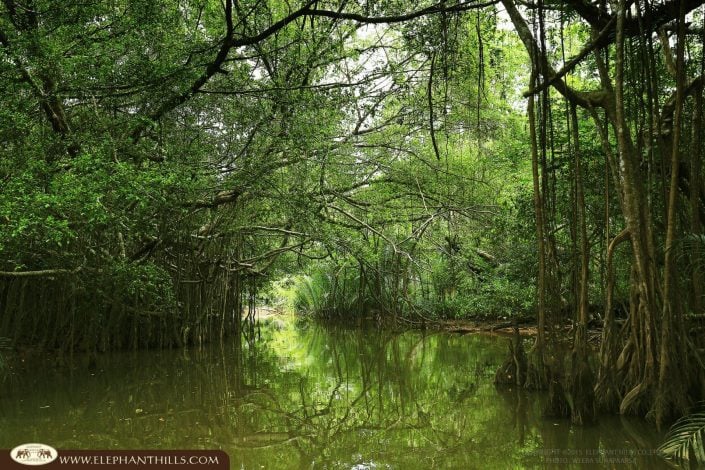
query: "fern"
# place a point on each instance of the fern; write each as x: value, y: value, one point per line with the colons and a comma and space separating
x: 311, y: 293
x: 685, y: 442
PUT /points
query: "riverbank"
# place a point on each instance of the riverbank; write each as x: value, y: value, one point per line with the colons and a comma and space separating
x: 504, y: 327
x: 487, y: 326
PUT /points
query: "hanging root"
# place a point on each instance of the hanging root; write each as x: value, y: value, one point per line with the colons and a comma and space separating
x: 633, y: 402
x: 671, y: 396
x: 580, y: 392
x: 513, y: 370
x: 582, y: 403
x: 606, y: 393
x: 537, y: 372
x: 581, y: 395
x: 557, y: 405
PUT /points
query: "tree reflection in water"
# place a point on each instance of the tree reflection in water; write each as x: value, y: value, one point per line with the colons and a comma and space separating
x: 312, y: 397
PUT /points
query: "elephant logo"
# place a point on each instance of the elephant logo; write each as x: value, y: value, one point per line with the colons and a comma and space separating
x: 33, y: 454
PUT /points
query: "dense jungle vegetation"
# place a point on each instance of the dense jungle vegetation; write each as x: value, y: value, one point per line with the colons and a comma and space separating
x: 166, y: 165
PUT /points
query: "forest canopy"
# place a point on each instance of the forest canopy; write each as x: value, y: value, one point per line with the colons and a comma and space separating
x: 166, y: 164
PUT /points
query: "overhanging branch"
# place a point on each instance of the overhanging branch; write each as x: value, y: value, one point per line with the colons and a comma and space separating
x: 41, y: 273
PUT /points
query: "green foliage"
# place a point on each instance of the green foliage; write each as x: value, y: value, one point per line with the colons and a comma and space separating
x: 450, y: 291
x: 685, y: 442
x: 311, y: 293
x: 150, y: 284
x: 158, y: 170
x: 500, y: 297
x: 332, y: 291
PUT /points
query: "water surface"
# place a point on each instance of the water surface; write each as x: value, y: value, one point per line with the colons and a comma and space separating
x: 315, y: 397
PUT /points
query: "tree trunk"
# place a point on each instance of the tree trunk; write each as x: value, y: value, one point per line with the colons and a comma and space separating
x: 582, y: 378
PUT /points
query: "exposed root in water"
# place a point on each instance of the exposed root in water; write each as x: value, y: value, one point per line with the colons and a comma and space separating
x: 513, y: 370
x: 581, y: 395
x: 580, y: 391
x: 537, y: 371
x: 557, y: 405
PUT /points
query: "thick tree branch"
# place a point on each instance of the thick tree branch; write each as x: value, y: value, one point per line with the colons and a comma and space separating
x: 223, y: 197
x: 694, y: 85
x: 600, y: 41
x: 214, y: 67
x: 230, y: 41
x: 581, y: 98
x: 659, y: 15
x: 437, y: 8
x: 45, y: 90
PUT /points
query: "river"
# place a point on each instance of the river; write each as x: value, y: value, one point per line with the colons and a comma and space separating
x: 310, y: 396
